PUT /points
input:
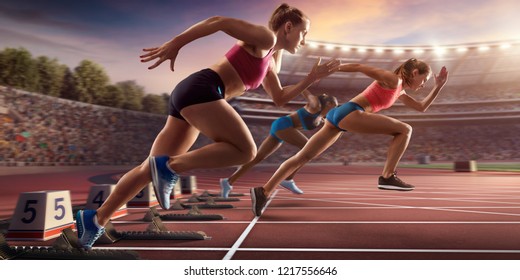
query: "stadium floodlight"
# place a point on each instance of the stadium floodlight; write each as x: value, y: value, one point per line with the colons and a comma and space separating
x: 329, y: 47
x: 440, y: 50
x: 483, y: 48
x: 346, y: 48
x: 505, y: 46
x: 313, y: 45
x: 398, y: 51
x: 418, y: 51
x: 361, y: 49
x: 379, y: 50
x: 462, y: 49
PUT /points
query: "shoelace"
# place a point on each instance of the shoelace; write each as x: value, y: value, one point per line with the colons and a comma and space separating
x: 93, y: 239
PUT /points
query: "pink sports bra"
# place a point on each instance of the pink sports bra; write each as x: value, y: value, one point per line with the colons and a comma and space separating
x: 251, y: 69
x: 381, y: 98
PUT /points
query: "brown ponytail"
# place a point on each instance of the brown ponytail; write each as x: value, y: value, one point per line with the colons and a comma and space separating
x: 285, y: 13
x: 405, y: 70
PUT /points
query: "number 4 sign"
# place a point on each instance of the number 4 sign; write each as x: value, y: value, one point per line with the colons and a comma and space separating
x: 41, y: 215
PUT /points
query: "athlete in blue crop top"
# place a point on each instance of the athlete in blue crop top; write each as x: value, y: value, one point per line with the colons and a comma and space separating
x: 198, y: 105
x: 287, y: 129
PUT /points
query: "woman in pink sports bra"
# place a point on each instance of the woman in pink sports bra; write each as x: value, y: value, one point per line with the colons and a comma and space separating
x: 198, y: 104
x: 358, y: 115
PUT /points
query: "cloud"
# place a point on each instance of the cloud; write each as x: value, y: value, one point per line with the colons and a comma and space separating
x: 39, y: 18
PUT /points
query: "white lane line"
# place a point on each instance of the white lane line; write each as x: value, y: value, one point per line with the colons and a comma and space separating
x: 242, y: 237
x: 336, y: 222
x: 314, y: 250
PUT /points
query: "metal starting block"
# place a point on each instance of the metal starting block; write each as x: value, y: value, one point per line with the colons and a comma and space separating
x: 195, y: 198
x: 193, y: 215
x: 156, y: 231
x: 210, y: 204
x: 231, y: 194
x: 66, y: 247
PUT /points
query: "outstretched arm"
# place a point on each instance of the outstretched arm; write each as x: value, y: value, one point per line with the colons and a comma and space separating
x: 259, y: 36
x: 282, y: 95
x: 422, y: 106
x: 384, y: 77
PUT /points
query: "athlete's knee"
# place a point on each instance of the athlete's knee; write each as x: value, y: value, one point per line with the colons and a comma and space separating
x: 247, y: 152
x: 404, y: 129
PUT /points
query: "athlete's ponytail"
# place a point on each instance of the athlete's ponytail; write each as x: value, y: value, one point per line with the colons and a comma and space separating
x: 285, y: 13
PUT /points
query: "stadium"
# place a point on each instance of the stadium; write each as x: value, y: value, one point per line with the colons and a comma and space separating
x: 52, y: 143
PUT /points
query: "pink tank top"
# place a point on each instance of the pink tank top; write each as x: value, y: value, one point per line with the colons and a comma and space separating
x: 251, y: 69
x: 381, y: 98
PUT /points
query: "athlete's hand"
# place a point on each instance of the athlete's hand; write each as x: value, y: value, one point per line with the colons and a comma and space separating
x: 168, y: 50
x: 323, y: 70
x: 441, y: 78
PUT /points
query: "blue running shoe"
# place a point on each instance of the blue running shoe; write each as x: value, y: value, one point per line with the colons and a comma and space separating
x: 88, y: 231
x: 163, y: 179
x: 291, y: 186
x: 225, y: 187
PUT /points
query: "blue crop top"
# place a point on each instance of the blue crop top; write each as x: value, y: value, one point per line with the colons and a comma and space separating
x: 307, y: 119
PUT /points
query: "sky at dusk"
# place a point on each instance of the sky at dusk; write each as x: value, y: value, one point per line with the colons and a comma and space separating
x: 112, y: 33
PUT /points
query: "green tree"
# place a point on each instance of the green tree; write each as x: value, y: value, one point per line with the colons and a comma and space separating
x: 153, y: 103
x: 133, y: 95
x: 51, y: 75
x: 68, y: 89
x: 113, y: 97
x: 90, y: 81
x: 18, y: 69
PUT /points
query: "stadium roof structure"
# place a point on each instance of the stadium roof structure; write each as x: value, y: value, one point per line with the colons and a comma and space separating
x: 468, y: 64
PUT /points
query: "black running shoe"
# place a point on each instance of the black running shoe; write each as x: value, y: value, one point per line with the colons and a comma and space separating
x: 258, y: 200
x: 394, y: 183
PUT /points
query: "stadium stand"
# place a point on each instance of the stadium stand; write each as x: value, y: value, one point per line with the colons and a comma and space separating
x: 476, y: 117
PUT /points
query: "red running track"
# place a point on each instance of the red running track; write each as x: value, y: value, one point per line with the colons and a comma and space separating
x: 341, y: 216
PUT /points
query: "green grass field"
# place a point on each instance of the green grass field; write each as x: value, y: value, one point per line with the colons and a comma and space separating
x: 484, y: 166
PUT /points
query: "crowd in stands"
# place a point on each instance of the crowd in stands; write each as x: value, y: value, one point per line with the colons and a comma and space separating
x: 39, y: 130
x: 42, y: 130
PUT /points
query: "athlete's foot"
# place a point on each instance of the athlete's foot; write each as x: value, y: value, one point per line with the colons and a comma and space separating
x: 258, y: 199
x: 393, y: 183
x: 225, y: 187
x: 291, y: 186
x: 163, y: 179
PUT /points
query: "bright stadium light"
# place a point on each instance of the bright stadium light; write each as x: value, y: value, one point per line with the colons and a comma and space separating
x: 418, y: 51
x: 505, y: 46
x: 379, y: 50
x: 440, y: 50
x: 313, y: 45
x: 462, y: 49
x: 398, y: 51
x: 483, y: 48
x: 361, y: 49
x: 346, y: 48
x: 329, y: 47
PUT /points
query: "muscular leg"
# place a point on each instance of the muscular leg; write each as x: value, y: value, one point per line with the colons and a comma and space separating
x: 176, y: 137
x: 217, y: 120
x: 268, y: 146
x: 294, y: 137
x: 316, y: 145
x: 363, y: 122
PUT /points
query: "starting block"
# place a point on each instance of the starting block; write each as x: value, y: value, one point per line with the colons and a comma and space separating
x: 209, y: 204
x: 145, y: 198
x: 156, y: 231
x: 62, y: 249
x: 97, y: 196
x: 231, y: 194
x: 41, y: 215
x: 193, y: 215
x: 196, y: 198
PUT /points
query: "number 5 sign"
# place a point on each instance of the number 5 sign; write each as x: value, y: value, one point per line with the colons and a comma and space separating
x: 41, y: 215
